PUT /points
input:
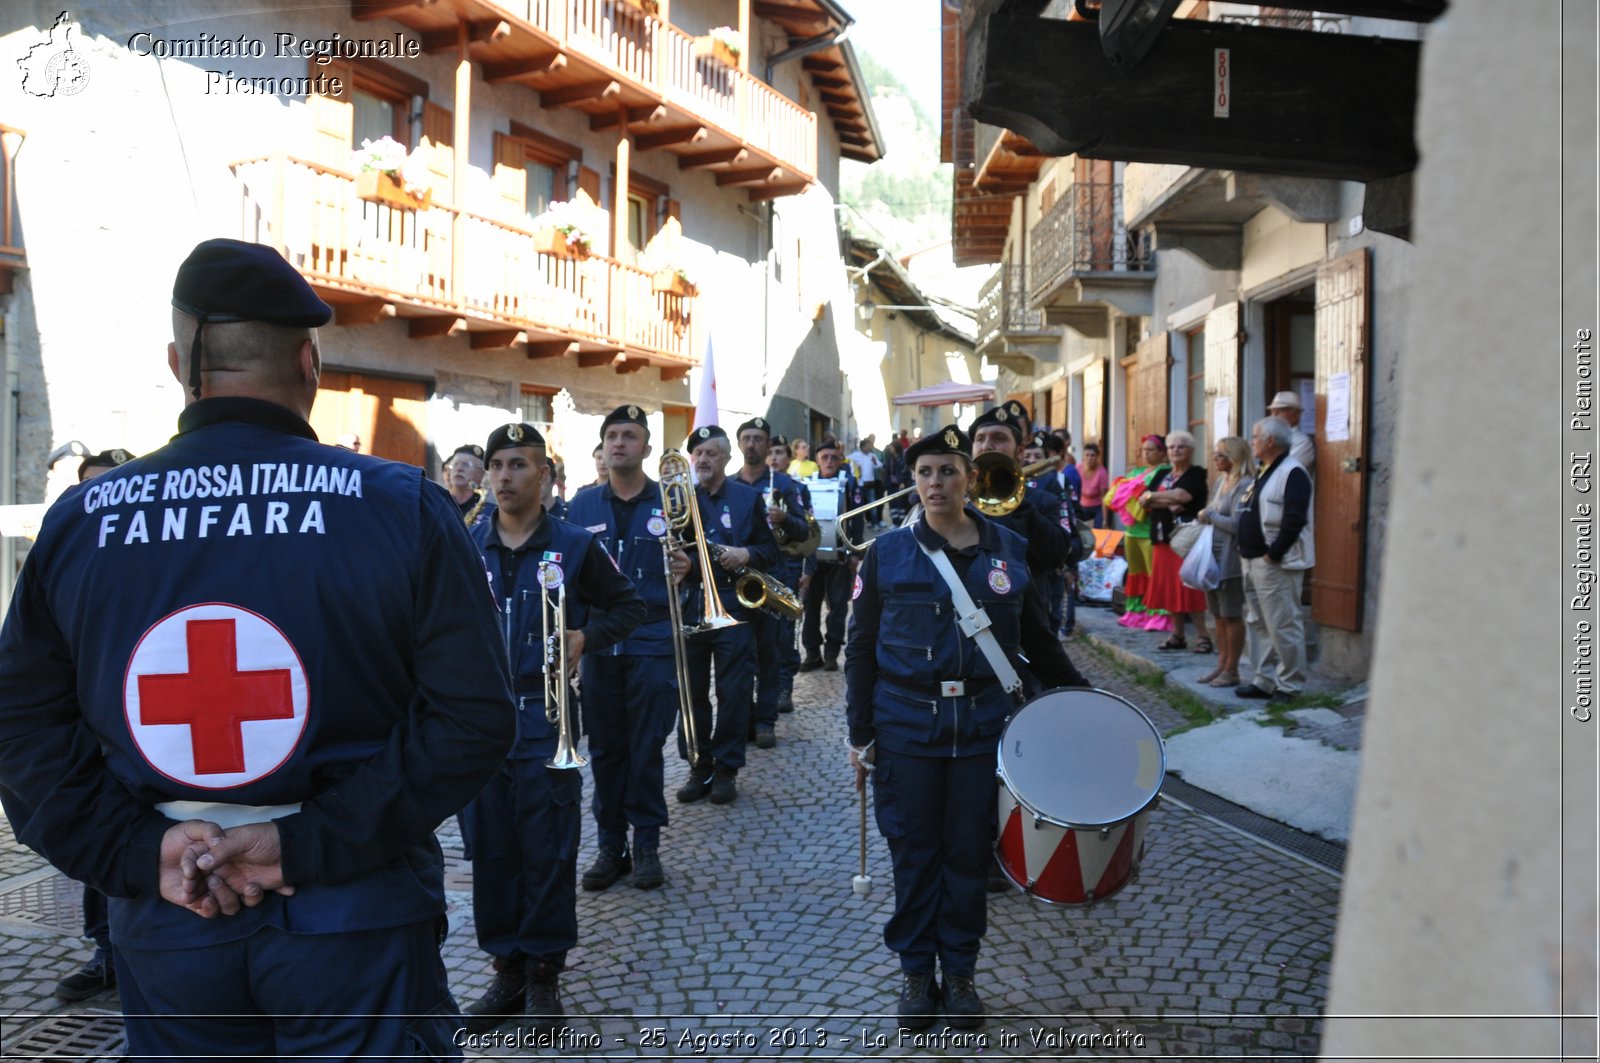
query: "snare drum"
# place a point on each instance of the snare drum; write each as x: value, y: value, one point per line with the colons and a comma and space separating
x: 1079, y: 772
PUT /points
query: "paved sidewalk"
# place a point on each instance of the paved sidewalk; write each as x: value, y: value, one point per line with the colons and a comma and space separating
x: 1299, y: 767
x: 758, y: 946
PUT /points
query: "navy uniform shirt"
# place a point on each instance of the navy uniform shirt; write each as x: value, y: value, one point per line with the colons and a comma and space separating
x: 904, y: 641
x: 793, y: 528
x: 248, y: 617
x: 1045, y: 521
x: 629, y: 531
x: 733, y: 515
x: 600, y: 601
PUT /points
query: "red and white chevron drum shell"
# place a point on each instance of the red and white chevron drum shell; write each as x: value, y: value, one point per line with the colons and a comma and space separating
x: 1079, y: 771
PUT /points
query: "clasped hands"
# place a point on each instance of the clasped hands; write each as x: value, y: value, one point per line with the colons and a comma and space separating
x: 213, y: 872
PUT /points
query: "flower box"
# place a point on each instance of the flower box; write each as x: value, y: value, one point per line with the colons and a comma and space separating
x: 554, y: 242
x: 715, y: 49
x: 380, y: 186
x: 672, y: 282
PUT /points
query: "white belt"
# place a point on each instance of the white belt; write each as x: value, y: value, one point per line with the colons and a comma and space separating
x: 225, y: 816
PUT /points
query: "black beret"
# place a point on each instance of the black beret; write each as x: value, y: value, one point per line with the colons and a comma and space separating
x: 625, y: 415
x: 230, y: 280
x: 947, y: 440
x: 468, y: 448
x: 758, y: 424
x: 509, y: 436
x: 999, y: 415
x: 779, y: 441
x: 829, y: 444
x: 1018, y: 410
x: 1040, y: 439
x: 702, y: 434
x: 110, y: 459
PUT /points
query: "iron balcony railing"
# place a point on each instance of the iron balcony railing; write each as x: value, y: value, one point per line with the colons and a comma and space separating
x: 1003, y: 310
x: 1082, y: 233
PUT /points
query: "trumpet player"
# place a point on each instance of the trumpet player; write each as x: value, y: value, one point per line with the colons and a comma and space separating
x: 522, y: 830
x: 630, y: 692
x: 733, y: 517
x: 1045, y: 520
x: 786, y: 509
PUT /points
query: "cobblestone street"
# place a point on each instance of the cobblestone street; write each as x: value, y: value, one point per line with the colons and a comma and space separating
x: 758, y: 947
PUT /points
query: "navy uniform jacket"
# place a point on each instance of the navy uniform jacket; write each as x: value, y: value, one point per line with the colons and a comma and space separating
x: 328, y: 599
x: 636, y: 552
x: 1045, y: 520
x: 904, y: 642
x: 736, y: 515
x: 600, y: 601
x: 794, y: 528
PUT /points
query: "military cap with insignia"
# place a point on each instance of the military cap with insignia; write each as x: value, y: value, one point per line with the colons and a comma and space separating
x: 758, y: 424
x: 999, y: 415
x: 829, y: 444
x: 625, y: 415
x: 509, y: 436
x: 778, y: 441
x: 469, y: 448
x: 225, y: 281
x: 1040, y: 439
x: 106, y: 459
x: 700, y: 435
x: 1018, y: 411
x: 947, y: 440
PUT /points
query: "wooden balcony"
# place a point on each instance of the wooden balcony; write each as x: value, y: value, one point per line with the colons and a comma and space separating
x: 623, y: 67
x: 447, y: 271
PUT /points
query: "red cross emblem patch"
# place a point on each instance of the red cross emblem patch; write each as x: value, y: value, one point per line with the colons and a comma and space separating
x: 215, y: 696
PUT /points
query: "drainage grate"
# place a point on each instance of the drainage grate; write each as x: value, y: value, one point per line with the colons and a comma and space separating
x: 54, y: 901
x: 1317, y: 850
x: 87, y: 1037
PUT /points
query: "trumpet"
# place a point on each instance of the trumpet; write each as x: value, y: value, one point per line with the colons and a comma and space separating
x: 557, y: 706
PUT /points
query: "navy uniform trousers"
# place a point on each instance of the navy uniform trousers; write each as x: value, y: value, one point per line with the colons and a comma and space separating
x: 352, y: 995
x: 830, y: 584
x: 733, y: 651
x: 630, y: 706
x: 522, y: 833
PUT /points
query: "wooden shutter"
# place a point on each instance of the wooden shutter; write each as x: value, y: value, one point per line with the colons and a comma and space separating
x: 510, y: 179
x: 1343, y: 342
x: 1147, y: 391
x: 333, y: 117
x: 675, y: 211
x: 438, y: 140
x: 1058, y: 404
x: 589, y: 182
x: 1223, y: 351
x: 1094, y: 406
x: 389, y: 414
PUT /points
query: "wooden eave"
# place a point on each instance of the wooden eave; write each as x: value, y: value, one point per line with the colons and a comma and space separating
x: 569, y: 77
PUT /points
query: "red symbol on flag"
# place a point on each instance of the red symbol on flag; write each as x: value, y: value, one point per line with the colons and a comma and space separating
x: 214, y: 698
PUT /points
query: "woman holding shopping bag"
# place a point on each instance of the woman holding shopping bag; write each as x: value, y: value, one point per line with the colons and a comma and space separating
x: 1232, y: 459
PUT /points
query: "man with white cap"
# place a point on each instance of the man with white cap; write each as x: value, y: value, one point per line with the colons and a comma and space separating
x: 1286, y: 404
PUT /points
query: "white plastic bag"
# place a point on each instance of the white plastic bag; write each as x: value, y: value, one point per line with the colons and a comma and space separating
x: 1200, y: 570
x: 1099, y: 577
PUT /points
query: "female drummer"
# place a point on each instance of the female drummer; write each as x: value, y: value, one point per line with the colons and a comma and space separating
x: 926, y: 710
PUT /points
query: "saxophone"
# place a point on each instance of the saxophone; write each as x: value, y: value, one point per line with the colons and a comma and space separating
x: 757, y: 590
x: 477, y: 508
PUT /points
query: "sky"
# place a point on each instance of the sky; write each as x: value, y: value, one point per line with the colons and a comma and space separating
x: 903, y: 35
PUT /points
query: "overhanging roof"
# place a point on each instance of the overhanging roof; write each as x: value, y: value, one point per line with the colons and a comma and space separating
x: 836, y: 77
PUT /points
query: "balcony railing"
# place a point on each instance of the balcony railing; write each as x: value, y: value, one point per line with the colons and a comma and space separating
x: 1083, y: 233
x: 409, y: 257
x: 660, y: 58
x: 1004, y: 313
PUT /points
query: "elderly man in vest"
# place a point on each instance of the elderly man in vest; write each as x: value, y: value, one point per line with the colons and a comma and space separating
x: 1276, y: 543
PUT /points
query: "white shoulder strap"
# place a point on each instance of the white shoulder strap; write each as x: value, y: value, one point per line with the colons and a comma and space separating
x: 974, y: 622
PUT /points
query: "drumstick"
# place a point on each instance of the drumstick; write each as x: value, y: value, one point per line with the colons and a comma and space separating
x: 862, y: 883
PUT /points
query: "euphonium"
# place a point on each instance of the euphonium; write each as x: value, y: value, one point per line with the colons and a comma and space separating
x: 557, y: 706
x: 999, y: 481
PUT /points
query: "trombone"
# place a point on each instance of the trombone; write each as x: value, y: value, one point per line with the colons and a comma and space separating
x: 557, y: 706
x: 998, y: 485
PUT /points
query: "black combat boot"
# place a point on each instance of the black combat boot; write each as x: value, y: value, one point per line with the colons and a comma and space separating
x: 502, y: 1000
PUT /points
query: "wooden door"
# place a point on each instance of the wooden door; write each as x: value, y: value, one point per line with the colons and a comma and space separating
x: 1093, y: 429
x: 389, y: 414
x: 1147, y: 392
x: 1058, y: 404
x: 1223, y: 351
x: 1343, y: 348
